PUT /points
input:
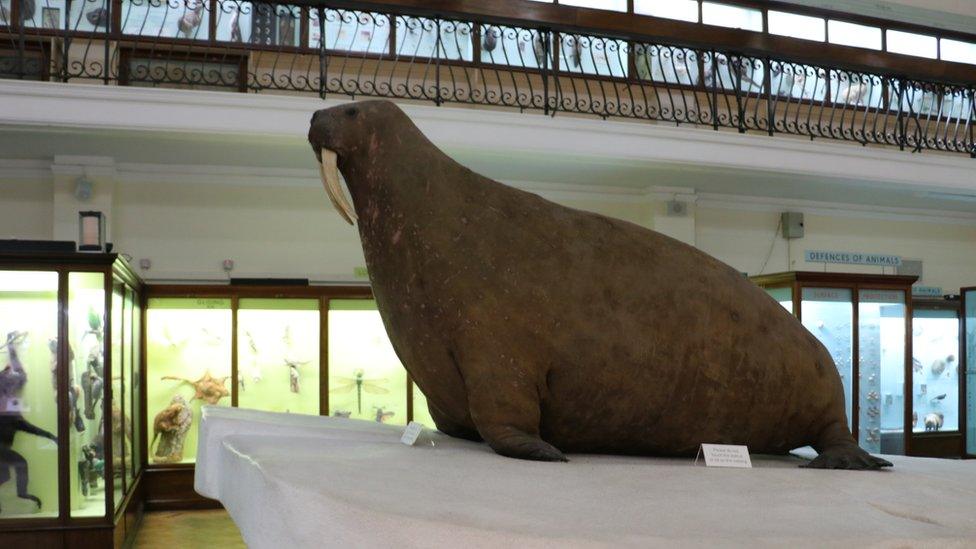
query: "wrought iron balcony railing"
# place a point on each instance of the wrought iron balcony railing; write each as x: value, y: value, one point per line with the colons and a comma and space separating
x: 281, y: 48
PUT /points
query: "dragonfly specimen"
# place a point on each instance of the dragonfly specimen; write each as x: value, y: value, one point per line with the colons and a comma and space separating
x: 360, y: 383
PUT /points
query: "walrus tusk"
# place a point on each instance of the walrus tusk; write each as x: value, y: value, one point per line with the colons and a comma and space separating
x: 329, y: 168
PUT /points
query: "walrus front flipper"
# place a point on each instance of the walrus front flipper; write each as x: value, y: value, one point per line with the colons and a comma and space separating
x: 508, y: 422
x: 839, y: 451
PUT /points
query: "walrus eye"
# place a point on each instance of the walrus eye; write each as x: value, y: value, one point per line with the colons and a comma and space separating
x: 353, y: 111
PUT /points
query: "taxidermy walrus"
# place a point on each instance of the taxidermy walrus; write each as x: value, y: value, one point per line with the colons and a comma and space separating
x: 542, y: 329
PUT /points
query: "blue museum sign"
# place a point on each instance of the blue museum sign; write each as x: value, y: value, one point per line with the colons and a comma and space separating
x: 926, y: 291
x: 852, y: 258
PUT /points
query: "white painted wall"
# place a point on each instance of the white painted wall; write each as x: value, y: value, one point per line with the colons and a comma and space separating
x: 744, y: 238
x: 187, y: 230
x: 26, y: 209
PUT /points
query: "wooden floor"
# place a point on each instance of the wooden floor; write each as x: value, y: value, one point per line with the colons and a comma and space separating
x: 188, y: 530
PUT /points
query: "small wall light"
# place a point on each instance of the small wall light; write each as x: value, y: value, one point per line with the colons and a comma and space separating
x: 91, y: 232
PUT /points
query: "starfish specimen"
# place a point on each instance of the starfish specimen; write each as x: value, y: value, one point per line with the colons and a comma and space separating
x: 208, y: 388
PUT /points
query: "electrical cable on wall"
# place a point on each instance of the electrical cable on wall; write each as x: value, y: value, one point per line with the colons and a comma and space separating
x: 772, y: 246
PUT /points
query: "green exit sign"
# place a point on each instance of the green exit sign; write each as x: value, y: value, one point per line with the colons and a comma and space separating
x: 360, y: 272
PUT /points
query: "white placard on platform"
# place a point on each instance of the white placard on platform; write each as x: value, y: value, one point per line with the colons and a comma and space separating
x: 411, y: 433
x: 725, y: 455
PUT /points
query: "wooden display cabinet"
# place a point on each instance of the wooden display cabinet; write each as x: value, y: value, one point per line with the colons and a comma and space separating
x: 968, y: 419
x: 70, y: 384
x: 936, y: 370
x: 271, y: 346
x: 865, y: 322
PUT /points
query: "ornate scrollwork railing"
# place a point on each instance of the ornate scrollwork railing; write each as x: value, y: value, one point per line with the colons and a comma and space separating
x: 264, y: 47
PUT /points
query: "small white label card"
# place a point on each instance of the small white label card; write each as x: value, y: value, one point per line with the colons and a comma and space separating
x: 411, y: 433
x: 725, y: 455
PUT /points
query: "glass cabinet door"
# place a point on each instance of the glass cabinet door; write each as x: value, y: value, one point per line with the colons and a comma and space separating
x: 86, y: 397
x: 28, y: 403
x: 366, y: 379
x: 119, y: 445
x: 278, y: 355
x: 135, y: 383
x: 881, y: 399
x: 935, y: 370
x: 969, y: 312
x: 188, y: 365
x: 829, y: 314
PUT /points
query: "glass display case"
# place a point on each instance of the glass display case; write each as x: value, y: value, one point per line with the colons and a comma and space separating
x: 188, y: 364
x: 278, y: 355
x: 366, y: 379
x: 280, y: 348
x: 864, y: 322
x: 937, y: 378
x: 969, y: 360
x: 69, y: 353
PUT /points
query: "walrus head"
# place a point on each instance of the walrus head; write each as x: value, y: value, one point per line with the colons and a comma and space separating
x: 338, y: 134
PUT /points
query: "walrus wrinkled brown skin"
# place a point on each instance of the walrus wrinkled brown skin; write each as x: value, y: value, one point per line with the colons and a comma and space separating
x: 543, y: 329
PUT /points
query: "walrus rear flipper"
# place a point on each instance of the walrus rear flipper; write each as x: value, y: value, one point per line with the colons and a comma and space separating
x: 841, y: 452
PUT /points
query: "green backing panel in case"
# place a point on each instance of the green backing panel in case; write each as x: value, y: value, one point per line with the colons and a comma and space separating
x: 278, y: 355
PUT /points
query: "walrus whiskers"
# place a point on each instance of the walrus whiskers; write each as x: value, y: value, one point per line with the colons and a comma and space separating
x: 329, y: 169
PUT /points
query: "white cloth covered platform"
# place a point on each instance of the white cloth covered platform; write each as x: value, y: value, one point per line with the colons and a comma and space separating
x: 292, y: 481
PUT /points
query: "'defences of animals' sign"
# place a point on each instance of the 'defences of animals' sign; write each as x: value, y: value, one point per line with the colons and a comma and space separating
x: 852, y: 258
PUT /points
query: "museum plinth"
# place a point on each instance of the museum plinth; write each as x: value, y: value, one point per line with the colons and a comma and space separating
x: 304, y: 481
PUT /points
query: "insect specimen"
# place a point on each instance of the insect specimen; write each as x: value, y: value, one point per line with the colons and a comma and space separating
x: 360, y: 383
x: 293, y: 375
x: 382, y: 415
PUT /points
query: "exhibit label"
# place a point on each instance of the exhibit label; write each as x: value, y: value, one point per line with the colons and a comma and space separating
x: 926, y: 291
x: 725, y: 455
x: 411, y: 433
x: 852, y: 258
